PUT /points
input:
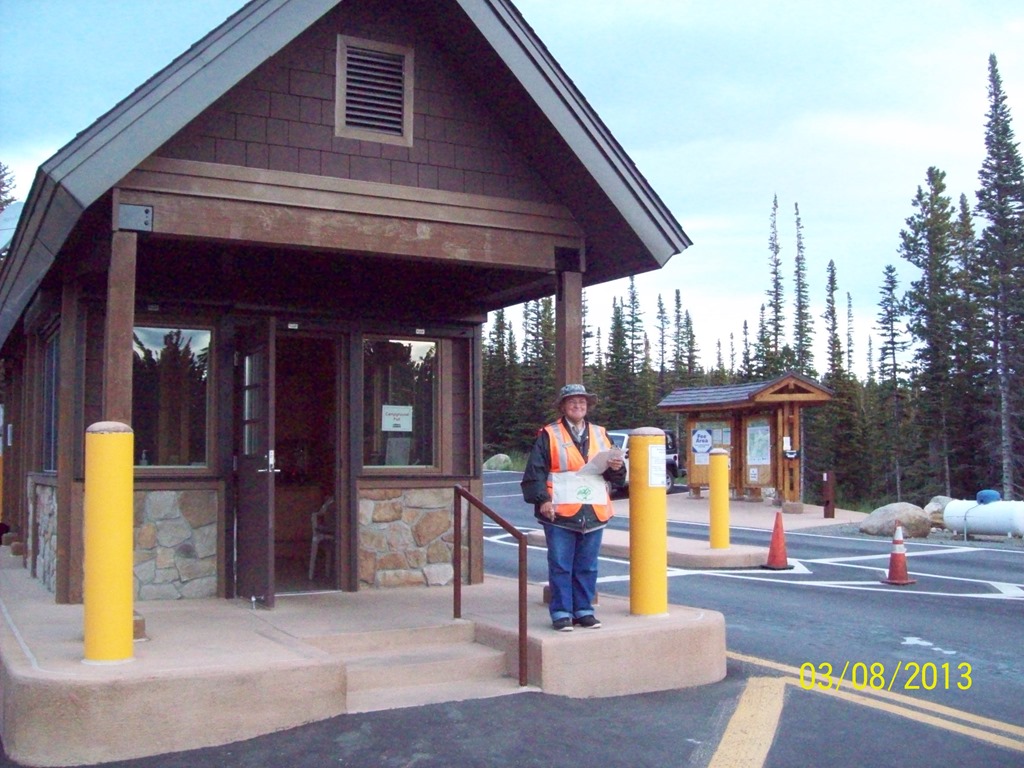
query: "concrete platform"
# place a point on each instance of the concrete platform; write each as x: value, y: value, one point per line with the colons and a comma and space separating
x: 215, y: 671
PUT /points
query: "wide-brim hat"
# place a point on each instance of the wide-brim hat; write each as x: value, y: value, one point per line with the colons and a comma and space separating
x: 575, y: 390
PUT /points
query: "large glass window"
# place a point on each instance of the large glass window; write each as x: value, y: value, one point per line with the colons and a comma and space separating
x: 399, y: 395
x: 170, y: 389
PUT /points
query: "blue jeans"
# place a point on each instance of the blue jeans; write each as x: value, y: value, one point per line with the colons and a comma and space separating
x: 572, y: 571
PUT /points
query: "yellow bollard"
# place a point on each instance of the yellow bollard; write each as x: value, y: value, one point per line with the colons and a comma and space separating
x: 108, y: 533
x: 648, y: 523
x: 718, y: 493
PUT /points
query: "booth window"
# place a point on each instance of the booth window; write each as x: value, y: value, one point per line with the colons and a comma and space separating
x: 51, y: 383
x: 400, y: 403
x: 170, y: 392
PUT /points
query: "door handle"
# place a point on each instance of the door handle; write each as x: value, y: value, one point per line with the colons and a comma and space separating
x: 270, y: 464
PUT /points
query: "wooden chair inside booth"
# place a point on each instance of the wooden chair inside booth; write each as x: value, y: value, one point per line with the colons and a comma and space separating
x: 322, y: 533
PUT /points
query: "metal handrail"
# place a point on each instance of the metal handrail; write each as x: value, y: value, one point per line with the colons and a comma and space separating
x: 462, y: 493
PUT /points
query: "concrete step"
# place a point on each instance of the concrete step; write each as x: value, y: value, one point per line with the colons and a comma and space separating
x: 429, y: 674
x: 382, y: 640
x: 378, y: 699
x: 425, y: 665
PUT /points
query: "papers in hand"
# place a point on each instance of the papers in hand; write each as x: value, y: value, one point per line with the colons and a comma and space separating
x: 598, y: 464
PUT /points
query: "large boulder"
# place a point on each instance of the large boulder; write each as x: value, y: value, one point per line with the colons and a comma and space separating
x: 498, y: 461
x: 882, y: 522
x: 935, y: 508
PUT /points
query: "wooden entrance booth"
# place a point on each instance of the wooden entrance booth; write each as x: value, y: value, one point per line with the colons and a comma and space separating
x: 758, y: 423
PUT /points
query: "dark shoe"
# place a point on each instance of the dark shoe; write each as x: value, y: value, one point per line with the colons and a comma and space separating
x: 562, y: 625
x: 590, y: 621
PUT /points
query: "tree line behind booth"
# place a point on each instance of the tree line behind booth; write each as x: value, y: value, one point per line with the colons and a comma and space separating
x: 941, y: 409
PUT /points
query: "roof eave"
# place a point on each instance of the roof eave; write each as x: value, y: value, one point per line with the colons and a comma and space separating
x: 580, y: 126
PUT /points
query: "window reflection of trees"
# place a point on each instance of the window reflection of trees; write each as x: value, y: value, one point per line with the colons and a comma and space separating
x: 399, y: 373
x: 169, y: 394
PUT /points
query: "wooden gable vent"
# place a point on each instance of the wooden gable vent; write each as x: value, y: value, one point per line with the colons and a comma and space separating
x: 374, y: 90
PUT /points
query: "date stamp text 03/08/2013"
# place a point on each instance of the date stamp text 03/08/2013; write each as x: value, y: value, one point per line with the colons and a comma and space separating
x: 905, y: 676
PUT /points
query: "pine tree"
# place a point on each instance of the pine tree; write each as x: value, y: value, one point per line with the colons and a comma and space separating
x: 891, y: 382
x: 645, y: 404
x: 587, y: 333
x: 849, y: 333
x: 763, y: 366
x: 502, y: 406
x: 1001, y: 204
x: 678, y: 344
x: 834, y: 346
x: 803, y: 325
x: 973, y: 431
x: 835, y: 432
x: 664, y: 376
x: 617, y: 395
x: 693, y: 366
x: 6, y: 186
x: 538, y: 365
x: 746, y: 373
x: 776, y: 318
x: 925, y: 243
x: 635, y: 337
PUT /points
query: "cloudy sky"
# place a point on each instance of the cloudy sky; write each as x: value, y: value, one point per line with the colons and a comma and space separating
x: 838, y: 107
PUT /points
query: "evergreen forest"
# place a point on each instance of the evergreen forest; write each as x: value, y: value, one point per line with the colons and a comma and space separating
x: 940, y: 410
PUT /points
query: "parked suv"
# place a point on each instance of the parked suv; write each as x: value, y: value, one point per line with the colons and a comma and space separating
x: 620, y: 438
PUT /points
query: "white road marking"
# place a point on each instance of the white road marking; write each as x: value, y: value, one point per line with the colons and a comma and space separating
x: 1001, y: 590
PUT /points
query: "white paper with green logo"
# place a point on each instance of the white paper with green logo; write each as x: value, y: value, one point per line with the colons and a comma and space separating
x: 578, y: 488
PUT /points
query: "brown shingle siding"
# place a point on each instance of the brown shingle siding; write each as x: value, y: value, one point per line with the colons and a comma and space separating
x: 257, y: 155
x: 394, y: 152
x: 277, y: 131
x: 442, y: 155
x: 319, y: 86
x: 404, y: 174
x: 371, y: 169
x: 428, y: 177
x: 334, y: 164
x: 311, y: 111
x: 450, y: 180
x: 285, y: 106
x: 229, y: 152
x: 283, y: 159
x: 249, y: 128
x: 281, y: 117
x: 309, y: 136
x: 309, y: 161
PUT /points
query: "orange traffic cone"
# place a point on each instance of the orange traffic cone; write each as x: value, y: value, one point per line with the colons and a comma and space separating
x: 777, y: 560
x: 898, y: 561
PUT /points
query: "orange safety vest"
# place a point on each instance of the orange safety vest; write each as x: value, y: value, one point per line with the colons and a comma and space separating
x: 566, y: 457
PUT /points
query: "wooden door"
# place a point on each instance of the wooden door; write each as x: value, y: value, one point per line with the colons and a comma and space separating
x: 254, y: 538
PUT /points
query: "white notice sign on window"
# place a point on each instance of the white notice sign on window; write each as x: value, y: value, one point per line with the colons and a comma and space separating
x: 396, y: 418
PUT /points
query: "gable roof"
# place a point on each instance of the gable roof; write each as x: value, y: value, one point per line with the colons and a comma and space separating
x: 96, y: 159
x: 789, y: 386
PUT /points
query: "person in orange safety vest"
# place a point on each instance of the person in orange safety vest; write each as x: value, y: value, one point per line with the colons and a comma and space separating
x: 572, y: 506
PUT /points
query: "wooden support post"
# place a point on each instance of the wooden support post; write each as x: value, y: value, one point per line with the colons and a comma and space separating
x: 569, y: 328
x: 120, y: 322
